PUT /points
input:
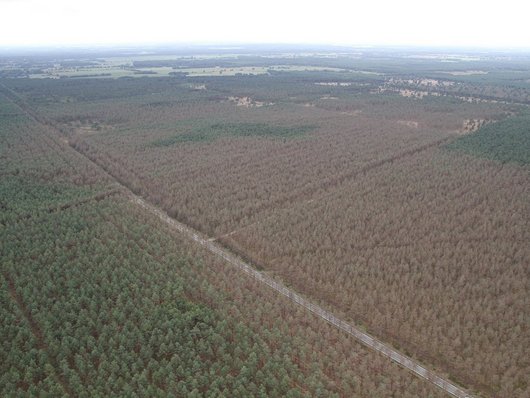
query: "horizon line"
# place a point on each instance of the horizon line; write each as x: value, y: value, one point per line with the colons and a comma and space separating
x: 233, y: 45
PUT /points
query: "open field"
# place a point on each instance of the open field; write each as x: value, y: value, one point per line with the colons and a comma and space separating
x: 405, y: 215
x: 150, y: 65
x: 118, y: 71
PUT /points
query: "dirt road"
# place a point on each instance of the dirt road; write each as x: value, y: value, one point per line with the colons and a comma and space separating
x: 363, y: 337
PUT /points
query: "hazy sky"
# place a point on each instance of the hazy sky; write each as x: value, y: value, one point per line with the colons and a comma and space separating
x: 400, y: 22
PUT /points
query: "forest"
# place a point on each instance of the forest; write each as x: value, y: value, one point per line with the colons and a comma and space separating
x: 100, y: 299
x: 393, y: 193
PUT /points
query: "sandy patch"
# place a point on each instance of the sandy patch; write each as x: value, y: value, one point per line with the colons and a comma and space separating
x: 412, y: 93
x: 421, y: 82
x: 248, y: 102
x: 88, y: 129
x: 472, y: 125
x: 467, y: 72
x: 79, y: 128
x: 408, y: 93
x: 355, y: 112
x: 334, y: 84
x: 198, y: 86
x: 409, y: 123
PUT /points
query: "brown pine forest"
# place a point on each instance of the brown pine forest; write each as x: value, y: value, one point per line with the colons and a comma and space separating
x: 399, y: 201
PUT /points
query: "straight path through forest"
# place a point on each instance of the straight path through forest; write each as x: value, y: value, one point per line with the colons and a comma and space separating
x: 208, y: 243
x: 361, y: 336
x: 36, y: 330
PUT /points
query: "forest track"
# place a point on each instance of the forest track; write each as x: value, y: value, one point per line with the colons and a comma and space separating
x: 364, y: 338
x: 65, y: 206
x: 359, y: 335
x: 328, y: 187
x: 37, y: 333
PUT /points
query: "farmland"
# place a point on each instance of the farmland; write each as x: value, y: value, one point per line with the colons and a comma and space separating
x: 391, y: 190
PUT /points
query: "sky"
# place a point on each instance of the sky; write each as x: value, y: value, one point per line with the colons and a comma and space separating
x: 455, y: 23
